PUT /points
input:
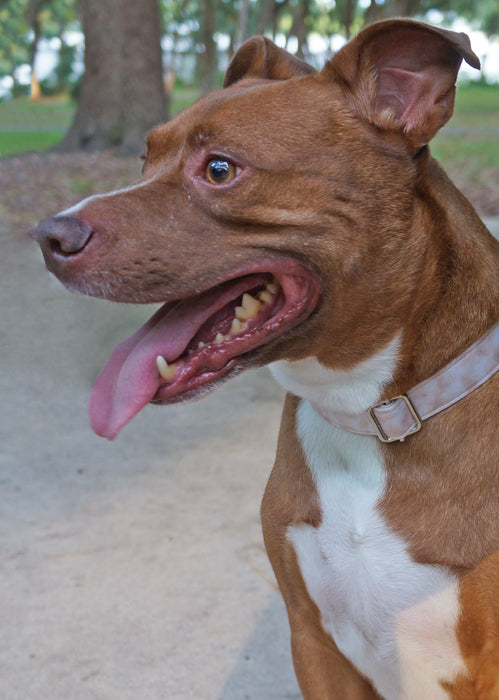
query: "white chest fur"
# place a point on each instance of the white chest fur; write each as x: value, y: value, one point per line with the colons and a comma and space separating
x: 356, y: 569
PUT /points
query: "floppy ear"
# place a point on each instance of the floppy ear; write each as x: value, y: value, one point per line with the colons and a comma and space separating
x: 400, y: 74
x: 261, y: 58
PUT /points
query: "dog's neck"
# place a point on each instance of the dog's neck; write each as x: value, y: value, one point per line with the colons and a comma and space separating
x: 446, y: 317
x: 351, y: 391
x: 456, y: 298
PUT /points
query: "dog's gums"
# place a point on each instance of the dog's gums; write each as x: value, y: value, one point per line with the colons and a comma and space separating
x: 248, y: 310
x: 189, y: 346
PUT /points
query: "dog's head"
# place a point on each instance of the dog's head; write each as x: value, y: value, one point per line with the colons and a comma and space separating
x: 266, y: 212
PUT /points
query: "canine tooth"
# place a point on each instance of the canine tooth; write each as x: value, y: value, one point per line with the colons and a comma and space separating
x: 249, y: 308
x: 201, y: 344
x: 265, y: 297
x: 272, y: 287
x: 165, y: 370
x: 250, y: 303
x: 219, y: 338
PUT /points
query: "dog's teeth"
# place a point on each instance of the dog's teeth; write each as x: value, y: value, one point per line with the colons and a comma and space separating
x: 250, y: 303
x: 272, y: 287
x: 249, y: 308
x: 201, y: 344
x: 165, y: 370
x: 237, y: 325
x: 265, y: 297
x: 219, y: 338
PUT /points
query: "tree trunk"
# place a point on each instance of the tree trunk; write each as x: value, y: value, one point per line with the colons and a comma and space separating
x: 122, y: 94
x: 299, y: 28
x: 243, y: 22
x: 347, y: 14
x: 373, y: 13
x: 34, y: 22
x: 209, y: 57
x: 36, y: 91
x: 392, y: 8
x: 265, y: 16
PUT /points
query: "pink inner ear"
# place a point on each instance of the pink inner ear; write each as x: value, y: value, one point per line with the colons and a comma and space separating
x: 411, y: 96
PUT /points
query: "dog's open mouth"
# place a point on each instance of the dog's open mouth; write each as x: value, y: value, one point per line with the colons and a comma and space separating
x: 189, y: 346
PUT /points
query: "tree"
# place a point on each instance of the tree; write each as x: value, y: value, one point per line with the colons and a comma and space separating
x: 122, y: 94
x: 14, y: 42
x: 483, y: 12
x: 24, y: 23
x: 209, y: 56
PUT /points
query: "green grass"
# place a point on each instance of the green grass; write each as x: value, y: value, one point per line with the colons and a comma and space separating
x: 53, y: 114
x: 471, y: 153
x: 36, y: 126
x: 26, y: 126
x: 182, y: 98
x: 14, y: 142
x: 33, y: 126
x: 470, y: 141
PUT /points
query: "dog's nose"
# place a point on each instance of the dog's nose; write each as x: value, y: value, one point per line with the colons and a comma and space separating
x: 61, y: 236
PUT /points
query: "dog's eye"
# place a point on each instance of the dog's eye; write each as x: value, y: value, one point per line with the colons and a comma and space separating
x: 219, y: 171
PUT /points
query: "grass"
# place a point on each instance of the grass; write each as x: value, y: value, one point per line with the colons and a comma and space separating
x: 49, y: 114
x: 33, y: 126
x: 36, y: 126
x: 13, y: 142
x: 470, y: 140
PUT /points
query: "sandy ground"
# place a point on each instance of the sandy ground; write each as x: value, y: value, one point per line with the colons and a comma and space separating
x: 131, y: 570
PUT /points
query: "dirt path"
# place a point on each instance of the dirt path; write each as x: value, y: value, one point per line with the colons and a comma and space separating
x: 131, y: 570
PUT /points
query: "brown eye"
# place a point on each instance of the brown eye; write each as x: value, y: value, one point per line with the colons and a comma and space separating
x: 219, y: 172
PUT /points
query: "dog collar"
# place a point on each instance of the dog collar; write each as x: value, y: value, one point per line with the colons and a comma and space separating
x: 397, y: 418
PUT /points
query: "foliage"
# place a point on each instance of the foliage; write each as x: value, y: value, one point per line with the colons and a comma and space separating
x: 190, y: 25
x: 14, y: 44
x: 24, y: 23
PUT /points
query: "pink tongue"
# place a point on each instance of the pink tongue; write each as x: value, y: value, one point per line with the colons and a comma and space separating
x: 130, y: 379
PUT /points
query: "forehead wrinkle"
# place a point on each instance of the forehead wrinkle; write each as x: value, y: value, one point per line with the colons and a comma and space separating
x: 228, y: 119
x: 249, y: 125
x: 187, y: 129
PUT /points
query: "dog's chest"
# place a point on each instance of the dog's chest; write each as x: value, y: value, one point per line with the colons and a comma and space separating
x: 356, y: 569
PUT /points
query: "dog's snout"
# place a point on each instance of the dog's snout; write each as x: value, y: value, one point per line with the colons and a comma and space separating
x: 61, y: 236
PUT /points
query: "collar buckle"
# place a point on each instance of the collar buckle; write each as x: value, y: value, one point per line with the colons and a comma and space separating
x: 390, y: 409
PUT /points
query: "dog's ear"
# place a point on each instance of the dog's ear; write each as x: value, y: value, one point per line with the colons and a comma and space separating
x: 261, y: 58
x: 400, y: 74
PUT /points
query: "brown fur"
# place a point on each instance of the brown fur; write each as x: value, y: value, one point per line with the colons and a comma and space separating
x: 336, y: 172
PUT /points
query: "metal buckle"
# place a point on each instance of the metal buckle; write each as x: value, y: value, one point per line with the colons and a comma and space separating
x: 378, y: 427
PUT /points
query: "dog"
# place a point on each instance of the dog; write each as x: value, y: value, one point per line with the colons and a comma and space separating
x: 296, y: 219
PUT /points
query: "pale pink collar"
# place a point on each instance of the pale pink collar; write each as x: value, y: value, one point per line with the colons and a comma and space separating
x: 403, y: 415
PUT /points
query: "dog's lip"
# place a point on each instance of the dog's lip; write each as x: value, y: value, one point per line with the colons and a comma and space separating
x: 294, y: 300
x: 131, y: 379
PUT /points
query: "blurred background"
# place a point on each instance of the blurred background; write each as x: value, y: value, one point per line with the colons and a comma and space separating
x: 97, y: 74
x: 146, y: 60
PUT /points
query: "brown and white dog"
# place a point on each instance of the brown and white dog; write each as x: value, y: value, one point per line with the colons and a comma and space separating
x: 296, y: 218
